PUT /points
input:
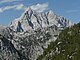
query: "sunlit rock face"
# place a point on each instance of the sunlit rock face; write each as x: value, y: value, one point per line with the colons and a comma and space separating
x: 31, y: 20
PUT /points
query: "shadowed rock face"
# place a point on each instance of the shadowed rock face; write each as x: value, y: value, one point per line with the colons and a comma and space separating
x: 19, y: 27
x: 27, y: 37
x: 8, y: 51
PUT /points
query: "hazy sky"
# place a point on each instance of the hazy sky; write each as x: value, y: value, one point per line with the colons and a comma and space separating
x: 12, y: 9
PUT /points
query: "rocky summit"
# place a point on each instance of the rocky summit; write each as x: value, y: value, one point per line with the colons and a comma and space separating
x: 27, y: 36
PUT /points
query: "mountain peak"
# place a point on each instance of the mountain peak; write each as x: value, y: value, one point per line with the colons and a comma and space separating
x: 31, y: 20
x: 51, y: 12
x: 28, y: 10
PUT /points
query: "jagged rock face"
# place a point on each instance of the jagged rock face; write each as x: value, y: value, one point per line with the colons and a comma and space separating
x: 7, y: 50
x: 28, y: 35
x: 26, y: 45
x: 32, y: 44
x: 30, y: 20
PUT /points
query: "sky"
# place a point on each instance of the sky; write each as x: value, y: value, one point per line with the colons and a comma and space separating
x: 12, y: 9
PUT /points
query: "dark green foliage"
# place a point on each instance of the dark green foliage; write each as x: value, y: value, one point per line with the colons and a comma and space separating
x: 66, y: 47
x: 78, y: 24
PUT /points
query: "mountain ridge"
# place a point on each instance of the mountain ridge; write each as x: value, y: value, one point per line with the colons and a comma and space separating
x: 34, y: 20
